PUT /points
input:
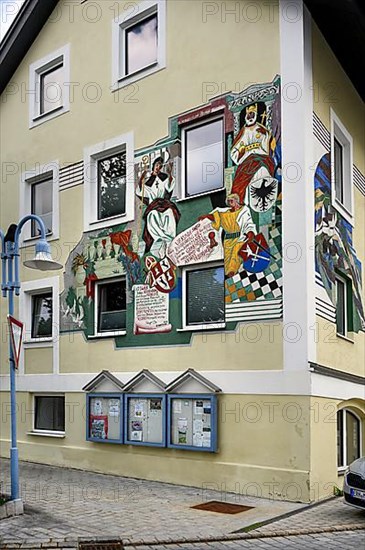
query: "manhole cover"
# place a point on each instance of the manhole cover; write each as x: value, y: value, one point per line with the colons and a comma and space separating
x: 104, y: 545
x: 222, y: 507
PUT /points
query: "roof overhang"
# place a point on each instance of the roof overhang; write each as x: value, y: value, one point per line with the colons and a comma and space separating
x: 31, y: 17
x: 342, y: 23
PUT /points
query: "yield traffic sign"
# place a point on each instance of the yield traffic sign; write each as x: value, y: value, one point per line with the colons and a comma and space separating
x: 16, y: 335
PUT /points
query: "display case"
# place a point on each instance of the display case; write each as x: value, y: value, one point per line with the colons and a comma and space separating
x: 192, y: 422
x: 104, y: 417
x: 145, y: 419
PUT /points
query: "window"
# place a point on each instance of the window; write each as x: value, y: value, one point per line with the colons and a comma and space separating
x: 109, y: 183
x: 49, y: 413
x: 348, y: 437
x: 203, y: 157
x: 343, y: 305
x: 50, y: 89
x: 42, y: 315
x: 341, y: 173
x: 41, y: 205
x: 39, y: 309
x: 111, y: 186
x: 40, y: 196
x: 49, y: 80
x: 203, y: 289
x: 111, y: 306
x: 139, y: 43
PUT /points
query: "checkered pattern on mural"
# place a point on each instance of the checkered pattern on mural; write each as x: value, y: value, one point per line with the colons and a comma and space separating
x: 266, y: 285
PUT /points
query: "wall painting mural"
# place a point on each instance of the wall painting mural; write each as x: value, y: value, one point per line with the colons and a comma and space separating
x: 237, y: 224
x: 334, y: 251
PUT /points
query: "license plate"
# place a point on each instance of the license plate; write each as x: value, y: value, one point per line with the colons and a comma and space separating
x: 357, y: 494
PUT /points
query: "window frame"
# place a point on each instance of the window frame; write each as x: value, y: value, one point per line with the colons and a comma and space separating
x: 214, y: 421
x: 27, y: 290
x: 186, y: 128
x: 184, y: 271
x: 106, y: 334
x: 347, y: 284
x: 344, y: 138
x: 98, y: 191
x: 92, y: 155
x: 41, y: 173
x: 33, y: 188
x: 129, y: 396
x: 106, y: 395
x: 342, y: 468
x: 120, y: 24
x: 32, y: 297
x: 40, y: 431
x: 38, y: 69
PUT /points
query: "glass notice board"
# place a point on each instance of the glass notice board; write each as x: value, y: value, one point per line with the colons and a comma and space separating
x: 104, y: 418
x: 145, y: 419
x: 192, y: 422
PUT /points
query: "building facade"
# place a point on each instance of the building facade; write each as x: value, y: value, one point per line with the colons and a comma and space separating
x: 206, y: 198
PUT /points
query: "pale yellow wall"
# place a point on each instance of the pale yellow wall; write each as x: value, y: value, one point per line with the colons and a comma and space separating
x: 333, y: 89
x: 38, y: 360
x: 213, y: 352
x: 340, y: 353
x: 263, y: 447
x: 194, y: 57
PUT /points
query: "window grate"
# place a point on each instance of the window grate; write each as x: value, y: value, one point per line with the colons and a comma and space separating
x: 222, y: 507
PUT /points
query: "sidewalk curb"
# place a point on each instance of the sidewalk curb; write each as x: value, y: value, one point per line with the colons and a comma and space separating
x: 245, y: 536
x: 255, y: 526
x: 72, y: 543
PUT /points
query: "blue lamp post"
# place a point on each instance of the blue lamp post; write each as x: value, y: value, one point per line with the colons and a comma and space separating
x: 10, y: 283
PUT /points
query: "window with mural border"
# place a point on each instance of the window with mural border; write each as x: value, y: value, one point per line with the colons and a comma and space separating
x: 203, y: 155
x: 104, y: 417
x: 192, y: 422
x: 145, y: 419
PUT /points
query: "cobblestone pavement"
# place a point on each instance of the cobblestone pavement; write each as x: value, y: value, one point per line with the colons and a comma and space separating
x: 61, y: 502
x: 62, y: 505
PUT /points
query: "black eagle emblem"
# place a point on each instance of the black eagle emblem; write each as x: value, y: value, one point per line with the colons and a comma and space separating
x: 263, y: 194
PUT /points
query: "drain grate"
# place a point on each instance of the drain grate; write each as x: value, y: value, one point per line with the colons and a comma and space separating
x: 104, y: 545
x: 222, y: 507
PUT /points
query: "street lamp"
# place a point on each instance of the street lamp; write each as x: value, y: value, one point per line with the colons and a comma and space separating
x: 10, y: 283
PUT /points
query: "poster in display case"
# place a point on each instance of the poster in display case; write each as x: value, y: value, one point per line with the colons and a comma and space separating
x: 192, y: 422
x: 145, y: 419
x: 104, y: 417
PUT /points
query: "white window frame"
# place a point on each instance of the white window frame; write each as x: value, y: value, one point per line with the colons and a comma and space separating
x: 339, y: 131
x: 50, y: 433
x: 184, y: 130
x: 28, y: 178
x: 136, y: 13
x: 344, y: 435
x: 27, y: 290
x: 184, y: 271
x: 36, y: 69
x: 92, y: 155
x: 113, y: 333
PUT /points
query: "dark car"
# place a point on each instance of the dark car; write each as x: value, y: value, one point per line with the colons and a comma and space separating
x: 354, y: 484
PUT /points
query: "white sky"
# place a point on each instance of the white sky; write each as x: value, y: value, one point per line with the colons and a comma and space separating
x: 8, y: 10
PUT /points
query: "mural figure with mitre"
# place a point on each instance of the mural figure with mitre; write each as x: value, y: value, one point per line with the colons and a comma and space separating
x: 161, y: 215
x: 238, y: 229
x: 251, y: 151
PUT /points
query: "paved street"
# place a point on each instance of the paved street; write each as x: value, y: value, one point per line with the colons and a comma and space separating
x: 63, y: 505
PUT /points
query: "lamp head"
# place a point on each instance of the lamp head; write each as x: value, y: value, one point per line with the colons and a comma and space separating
x: 43, y: 259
